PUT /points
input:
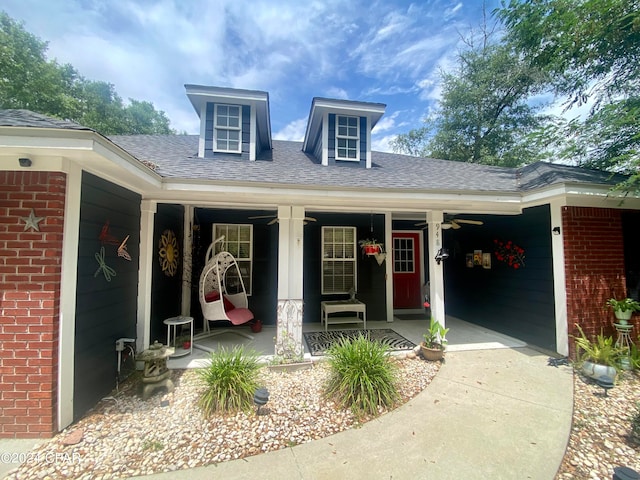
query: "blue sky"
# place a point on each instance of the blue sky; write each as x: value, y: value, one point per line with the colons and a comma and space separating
x: 382, y: 51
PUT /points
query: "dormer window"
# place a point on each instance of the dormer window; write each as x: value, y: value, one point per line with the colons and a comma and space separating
x: 227, y: 133
x: 347, y: 138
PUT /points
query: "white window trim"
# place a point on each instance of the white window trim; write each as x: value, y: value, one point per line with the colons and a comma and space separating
x: 224, y: 127
x: 353, y: 259
x: 248, y: 282
x: 356, y: 138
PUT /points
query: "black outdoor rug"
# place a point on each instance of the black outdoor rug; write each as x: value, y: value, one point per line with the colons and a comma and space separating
x: 319, y: 342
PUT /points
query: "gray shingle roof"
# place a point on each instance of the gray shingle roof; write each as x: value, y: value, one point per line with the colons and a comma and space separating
x: 176, y: 159
x: 27, y: 118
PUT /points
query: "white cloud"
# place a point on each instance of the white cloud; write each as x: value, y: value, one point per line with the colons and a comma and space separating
x: 337, y: 93
x: 382, y: 144
x: 380, y: 51
x: 293, y: 131
x: 386, y: 123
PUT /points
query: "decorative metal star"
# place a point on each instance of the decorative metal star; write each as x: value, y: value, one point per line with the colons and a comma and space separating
x: 32, y: 221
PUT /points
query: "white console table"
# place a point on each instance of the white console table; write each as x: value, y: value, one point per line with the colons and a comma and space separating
x: 341, y: 306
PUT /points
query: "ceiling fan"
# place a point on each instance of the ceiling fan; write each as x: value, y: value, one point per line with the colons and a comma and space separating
x: 274, y: 219
x: 451, y: 222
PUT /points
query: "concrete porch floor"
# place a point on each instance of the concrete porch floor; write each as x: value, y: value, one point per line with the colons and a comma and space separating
x: 462, y: 336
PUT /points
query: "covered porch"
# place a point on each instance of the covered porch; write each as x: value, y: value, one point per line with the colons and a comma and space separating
x: 462, y: 336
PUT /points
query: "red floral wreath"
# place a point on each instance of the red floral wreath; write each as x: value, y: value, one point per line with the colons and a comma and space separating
x: 510, y: 253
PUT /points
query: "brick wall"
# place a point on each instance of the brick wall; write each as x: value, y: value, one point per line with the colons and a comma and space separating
x: 30, y: 268
x: 594, y: 266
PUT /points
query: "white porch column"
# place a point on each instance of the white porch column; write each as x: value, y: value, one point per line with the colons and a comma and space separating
x: 559, y: 279
x: 436, y: 275
x: 70, y: 242
x: 388, y: 265
x: 290, y: 275
x: 187, y: 260
x: 148, y: 210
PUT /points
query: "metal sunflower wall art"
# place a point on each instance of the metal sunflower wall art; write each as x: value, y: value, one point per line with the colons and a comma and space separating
x: 168, y: 253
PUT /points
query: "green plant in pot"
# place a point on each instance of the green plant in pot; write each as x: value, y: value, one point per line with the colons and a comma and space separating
x: 434, y: 341
x: 623, y: 309
x: 598, y: 357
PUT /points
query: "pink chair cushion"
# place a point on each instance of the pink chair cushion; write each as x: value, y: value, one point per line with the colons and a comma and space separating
x: 238, y: 316
x: 215, y: 295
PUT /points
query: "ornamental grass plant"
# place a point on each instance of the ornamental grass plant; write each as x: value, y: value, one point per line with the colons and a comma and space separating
x: 231, y: 379
x: 362, y: 375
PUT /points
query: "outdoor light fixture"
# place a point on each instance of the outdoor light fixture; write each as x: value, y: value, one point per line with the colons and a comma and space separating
x: 25, y: 162
x: 556, y: 230
x: 605, y: 382
x: 442, y: 254
x: 260, y: 398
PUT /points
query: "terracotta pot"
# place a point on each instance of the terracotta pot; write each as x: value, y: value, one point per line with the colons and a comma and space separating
x: 431, y: 354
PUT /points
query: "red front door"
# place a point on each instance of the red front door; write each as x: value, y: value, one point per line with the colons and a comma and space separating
x: 406, y: 270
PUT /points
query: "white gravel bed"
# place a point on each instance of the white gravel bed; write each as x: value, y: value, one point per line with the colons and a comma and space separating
x: 125, y: 436
x: 600, y: 435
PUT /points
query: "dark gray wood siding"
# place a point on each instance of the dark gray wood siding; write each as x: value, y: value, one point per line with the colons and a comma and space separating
x: 517, y: 302
x: 166, y: 291
x: 263, y: 300
x: 371, y: 276
x: 332, y: 145
x: 208, y: 134
x: 105, y: 310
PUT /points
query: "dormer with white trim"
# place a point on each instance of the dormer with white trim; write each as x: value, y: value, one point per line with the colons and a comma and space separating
x: 234, y: 123
x: 339, y: 131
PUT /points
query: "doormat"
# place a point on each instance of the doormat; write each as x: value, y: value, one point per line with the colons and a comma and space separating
x: 319, y: 342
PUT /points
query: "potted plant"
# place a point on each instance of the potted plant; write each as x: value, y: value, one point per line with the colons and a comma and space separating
x: 434, y: 341
x: 599, y: 357
x: 623, y: 309
x: 370, y: 246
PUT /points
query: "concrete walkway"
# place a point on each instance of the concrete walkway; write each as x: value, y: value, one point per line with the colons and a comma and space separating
x: 488, y: 414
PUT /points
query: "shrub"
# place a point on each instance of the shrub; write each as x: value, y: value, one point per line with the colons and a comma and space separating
x: 362, y: 375
x: 231, y: 379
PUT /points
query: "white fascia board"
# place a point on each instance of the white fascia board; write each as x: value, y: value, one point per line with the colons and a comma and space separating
x: 580, y: 195
x: 91, y: 151
x: 319, y: 198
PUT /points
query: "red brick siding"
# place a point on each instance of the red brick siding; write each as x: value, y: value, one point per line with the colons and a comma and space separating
x: 30, y: 273
x: 594, y: 267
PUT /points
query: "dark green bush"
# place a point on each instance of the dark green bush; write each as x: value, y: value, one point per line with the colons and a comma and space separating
x: 362, y: 375
x: 231, y: 379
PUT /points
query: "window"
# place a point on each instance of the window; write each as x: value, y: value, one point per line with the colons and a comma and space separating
x: 338, y: 259
x: 238, y: 241
x: 403, y: 261
x: 227, y: 130
x: 347, y: 138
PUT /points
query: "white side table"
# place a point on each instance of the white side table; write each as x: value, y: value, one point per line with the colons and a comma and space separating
x: 339, y: 306
x: 172, y: 334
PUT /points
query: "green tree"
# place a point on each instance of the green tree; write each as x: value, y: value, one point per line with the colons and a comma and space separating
x: 28, y: 80
x: 483, y: 115
x: 591, y: 50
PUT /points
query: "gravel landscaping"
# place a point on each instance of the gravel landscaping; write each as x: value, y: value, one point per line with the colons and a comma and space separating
x: 601, y: 431
x: 125, y: 436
